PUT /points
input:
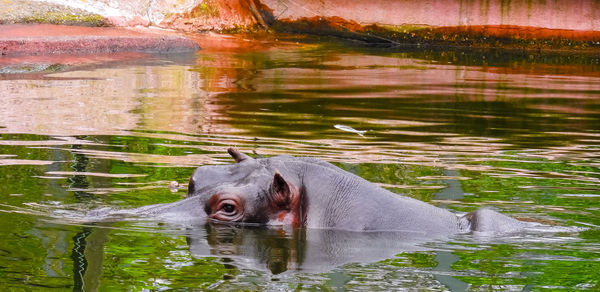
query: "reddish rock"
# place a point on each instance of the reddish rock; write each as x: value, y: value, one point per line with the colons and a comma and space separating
x: 47, y: 39
x: 528, y: 25
x: 522, y: 32
x: 565, y: 15
x: 221, y: 15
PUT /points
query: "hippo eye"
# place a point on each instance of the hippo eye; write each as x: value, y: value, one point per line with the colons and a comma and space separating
x: 228, y: 208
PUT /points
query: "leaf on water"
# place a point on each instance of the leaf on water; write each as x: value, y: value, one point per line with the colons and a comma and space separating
x: 350, y: 129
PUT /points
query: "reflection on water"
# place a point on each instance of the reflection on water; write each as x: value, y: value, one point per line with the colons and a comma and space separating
x: 459, y: 129
x: 279, y: 250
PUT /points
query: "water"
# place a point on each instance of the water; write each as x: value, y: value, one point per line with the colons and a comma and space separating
x: 518, y: 132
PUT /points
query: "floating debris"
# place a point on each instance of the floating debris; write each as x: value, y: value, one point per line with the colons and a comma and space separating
x: 350, y: 129
x: 174, y: 186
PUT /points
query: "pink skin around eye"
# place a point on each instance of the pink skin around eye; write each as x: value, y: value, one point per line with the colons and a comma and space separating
x: 218, y: 205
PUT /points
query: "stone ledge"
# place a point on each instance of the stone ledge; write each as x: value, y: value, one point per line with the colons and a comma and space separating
x: 48, y: 39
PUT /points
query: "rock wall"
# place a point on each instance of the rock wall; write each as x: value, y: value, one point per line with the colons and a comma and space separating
x: 203, y: 14
x: 514, y: 24
x: 538, y: 24
x: 181, y: 14
x: 129, y: 12
x: 553, y: 14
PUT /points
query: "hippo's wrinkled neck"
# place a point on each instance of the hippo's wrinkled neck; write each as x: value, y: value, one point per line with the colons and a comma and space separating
x: 328, y: 195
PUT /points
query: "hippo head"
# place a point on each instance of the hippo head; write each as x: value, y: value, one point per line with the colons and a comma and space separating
x: 249, y: 191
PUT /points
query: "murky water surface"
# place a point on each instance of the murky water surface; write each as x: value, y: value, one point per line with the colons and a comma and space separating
x: 516, y: 132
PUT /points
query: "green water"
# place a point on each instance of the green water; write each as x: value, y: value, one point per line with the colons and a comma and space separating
x: 459, y: 129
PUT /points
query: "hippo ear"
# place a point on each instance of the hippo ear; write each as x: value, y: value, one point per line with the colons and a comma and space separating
x: 237, y: 156
x: 281, y: 194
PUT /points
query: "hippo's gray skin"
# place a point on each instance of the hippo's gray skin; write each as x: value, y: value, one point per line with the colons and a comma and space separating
x: 311, y: 193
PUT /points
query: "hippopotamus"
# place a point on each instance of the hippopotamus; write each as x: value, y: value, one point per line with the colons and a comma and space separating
x: 311, y: 193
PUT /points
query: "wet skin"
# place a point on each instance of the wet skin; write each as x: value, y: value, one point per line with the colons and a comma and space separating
x: 310, y: 193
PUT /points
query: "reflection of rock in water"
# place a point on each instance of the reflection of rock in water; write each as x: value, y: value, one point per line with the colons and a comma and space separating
x: 140, y: 96
x: 80, y: 262
x: 79, y: 181
x: 279, y: 250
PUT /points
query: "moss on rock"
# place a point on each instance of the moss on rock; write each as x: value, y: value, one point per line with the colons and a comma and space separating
x: 66, y: 19
x: 27, y: 11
